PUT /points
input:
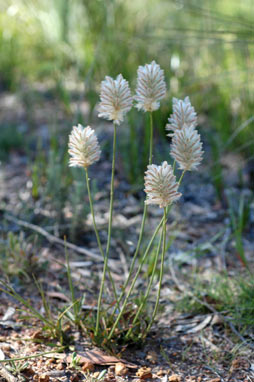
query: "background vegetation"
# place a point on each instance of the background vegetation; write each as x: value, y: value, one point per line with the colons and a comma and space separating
x: 205, y: 48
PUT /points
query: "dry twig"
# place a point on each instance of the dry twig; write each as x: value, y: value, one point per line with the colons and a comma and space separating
x: 53, y: 239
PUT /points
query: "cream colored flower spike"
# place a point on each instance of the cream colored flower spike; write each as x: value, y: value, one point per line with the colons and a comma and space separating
x: 151, y: 87
x: 183, y: 114
x: 186, y: 148
x: 83, y: 147
x: 116, y: 99
x: 160, y: 185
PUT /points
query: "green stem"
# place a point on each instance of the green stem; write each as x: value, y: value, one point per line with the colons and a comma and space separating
x: 109, y: 232
x: 151, y: 139
x: 174, y: 166
x: 133, y: 259
x: 96, y: 231
x: 92, y: 212
x: 148, y: 287
x: 181, y: 177
x: 161, y: 272
x: 163, y: 221
x: 133, y: 262
x: 135, y: 279
x: 30, y: 356
x: 166, y: 211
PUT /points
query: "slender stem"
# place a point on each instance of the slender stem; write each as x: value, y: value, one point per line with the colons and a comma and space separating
x: 133, y: 259
x: 111, y: 193
x: 151, y: 139
x: 135, y: 279
x: 30, y: 356
x: 166, y: 211
x: 148, y: 287
x: 142, y: 223
x: 161, y: 272
x: 96, y: 231
x: 174, y: 166
x: 109, y: 232
x: 181, y: 177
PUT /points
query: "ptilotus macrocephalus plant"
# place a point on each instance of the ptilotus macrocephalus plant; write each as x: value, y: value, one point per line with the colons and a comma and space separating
x: 161, y: 187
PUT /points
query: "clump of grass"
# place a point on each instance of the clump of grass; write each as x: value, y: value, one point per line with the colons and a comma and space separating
x: 17, y: 367
x: 233, y: 297
x: 239, y: 217
x: 55, y: 322
x: 55, y: 325
x: 243, y: 309
x: 19, y: 256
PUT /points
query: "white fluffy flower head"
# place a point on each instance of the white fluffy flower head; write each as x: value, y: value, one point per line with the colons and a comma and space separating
x: 116, y: 99
x: 186, y: 148
x: 160, y: 185
x: 183, y: 114
x: 151, y: 87
x: 83, y: 147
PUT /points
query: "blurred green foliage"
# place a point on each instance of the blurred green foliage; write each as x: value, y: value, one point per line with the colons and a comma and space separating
x: 10, y: 139
x: 204, y: 46
x: 57, y: 189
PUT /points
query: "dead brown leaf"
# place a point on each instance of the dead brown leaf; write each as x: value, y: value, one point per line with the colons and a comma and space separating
x: 98, y: 357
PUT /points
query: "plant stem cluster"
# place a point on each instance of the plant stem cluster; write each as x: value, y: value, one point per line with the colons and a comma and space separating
x: 161, y: 188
